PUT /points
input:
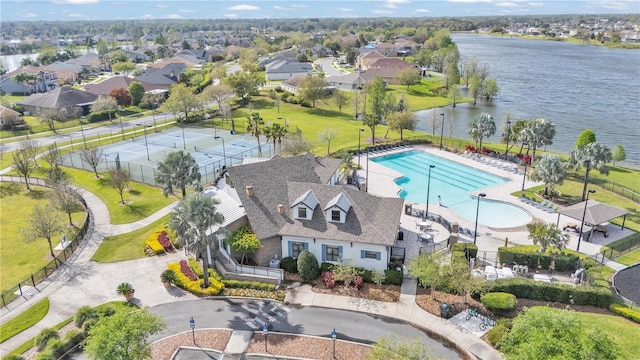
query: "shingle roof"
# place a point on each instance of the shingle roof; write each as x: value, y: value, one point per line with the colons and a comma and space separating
x: 371, y: 219
x: 340, y: 201
x: 268, y: 180
x: 283, y: 66
x: 295, y: 80
x: 167, y: 75
x: 105, y: 87
x: 228, y: 207
x: 8, y: 113
x: 59, y: 98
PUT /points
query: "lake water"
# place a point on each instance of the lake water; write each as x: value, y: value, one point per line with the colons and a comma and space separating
x: 576, y: 86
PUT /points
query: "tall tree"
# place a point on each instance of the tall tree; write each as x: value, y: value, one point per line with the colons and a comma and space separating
x: 490, y: 89
x: 65, y: 198
x: 218, y: 93
x: 545, y: 235
x: 550, y: 171
x: 123, y: 335
x: 45, y: 222
x: 24, y: 163
x: 49, y: 116
x: 92, y: 156
x: 453, y: 95
x: 119, y: 179
x: 254, y: 122
x: 275, y: 133
x: 182, y: 101
x: 297, y: 145
x: 452, y: 75
x: 244, y: 242
x: 328, y: 135
x: 191, y: 219
x: 244, y: 83
x: 136, y: 89
x: 402, y: 120
x: 23, y: 77
x: 586, y: 136
x: 480, y: 127
x: 597, y: 154
x: 618, y: 154
x: 475, y: 88
x: 126, y: 67
x: 378, y: 105
x: 178, y: 170
x: 408, y: 76
x: 340, y: 99
x: 313, y: 88
x: 122, y: 96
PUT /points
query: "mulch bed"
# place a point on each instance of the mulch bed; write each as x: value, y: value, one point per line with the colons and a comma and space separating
x: 387, y: 293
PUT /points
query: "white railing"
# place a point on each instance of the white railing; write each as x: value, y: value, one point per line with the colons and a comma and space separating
x: 252, y: 270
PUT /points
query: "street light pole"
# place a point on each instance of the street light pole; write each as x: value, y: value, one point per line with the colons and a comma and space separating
x: 359, y: 131
x: 475, y: 231
x: 366, y: 184
x: 224, y: 151
x: 334, y: 336
x: 146, y: 144
x: 192, y: 323
x: 153, y: 107
x: 587, y: 164
x: 506, y: 150
x: 426, y: 214
x: 184, y: 143
x: 441, y: 130
x: 584, y: 213
x: 121, y: 127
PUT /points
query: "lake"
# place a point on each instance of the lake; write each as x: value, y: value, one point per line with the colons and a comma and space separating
x: 576, y: 86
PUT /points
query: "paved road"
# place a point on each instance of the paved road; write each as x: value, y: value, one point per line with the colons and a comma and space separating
x: 327, y: 68
x: 241, y: 314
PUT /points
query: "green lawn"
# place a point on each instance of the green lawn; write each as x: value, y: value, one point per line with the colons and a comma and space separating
x: 24, y: 320
x: 19, y: 258
x: 630, y: 258
x: 624, y: 332
x: 127, y: 246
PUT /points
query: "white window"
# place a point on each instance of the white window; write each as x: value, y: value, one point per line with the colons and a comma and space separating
x: 302, y: 212
x: 296, y: 249
x: 332, y: 253
x: 370, y: 254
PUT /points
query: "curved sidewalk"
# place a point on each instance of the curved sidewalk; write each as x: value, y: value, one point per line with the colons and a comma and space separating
x: 405, y: 309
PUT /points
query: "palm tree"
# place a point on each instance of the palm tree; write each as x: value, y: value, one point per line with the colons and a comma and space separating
x: 191, y: 219
x: 550, y: 171
x: 481, y: 126
x: 278, y: 132
x: 547, y: 235
x: 253, y: 127
x: 538, y: 132
x: 597, y: 154
x: 178, y: 169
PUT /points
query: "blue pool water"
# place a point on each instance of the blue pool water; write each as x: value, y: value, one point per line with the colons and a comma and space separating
x: 453, y: 182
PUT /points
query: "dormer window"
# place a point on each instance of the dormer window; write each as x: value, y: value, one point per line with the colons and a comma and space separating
x: 337, y: 209
x: 302, y: 212
x: 304, y: 205
x: 335, y: 215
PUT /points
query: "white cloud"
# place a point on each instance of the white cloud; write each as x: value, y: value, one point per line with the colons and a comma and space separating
x: 147, y: 16
x: 344, y: 9
x: 536, y: 3
x: 243, y: 7
x: 398, y: 1
x: 76, y: 15
x: 620, y: 5
x: 186, y: 11
x: 382, y: 12
x: 30, y: 15
x: 390, y: 6
x: 298, y: 6
x: 75, y: 2
x: 281, y: 8
x: 506, y: 4
x: 230, y: 15
x: 421, y: 10
x: 162, y: 6
x: 174, y: 16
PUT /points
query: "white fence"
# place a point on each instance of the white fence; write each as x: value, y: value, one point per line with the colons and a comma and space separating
x: 252, y: 270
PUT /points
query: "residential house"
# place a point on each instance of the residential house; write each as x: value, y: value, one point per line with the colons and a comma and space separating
x: 387, y: 49
x: 8, y: 118
x: 295, y: 203
x: 283, y: 69
x: 320, y: 51
x: 47, y: 79
x: 365, y: 60
x: 61, y: 99
x: 292, y: 84
x: 104, y: 88
x: 89, y: 62
x: 161, y: 77
x: 356, y: 80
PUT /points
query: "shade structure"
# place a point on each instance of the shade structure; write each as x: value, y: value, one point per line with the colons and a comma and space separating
x: 596, y: 213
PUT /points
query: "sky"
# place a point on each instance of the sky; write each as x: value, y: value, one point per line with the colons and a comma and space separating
x: 38, y: 10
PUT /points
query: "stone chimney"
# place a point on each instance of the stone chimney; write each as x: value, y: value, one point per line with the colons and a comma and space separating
x: 280, y: 209
x: 249, y: 190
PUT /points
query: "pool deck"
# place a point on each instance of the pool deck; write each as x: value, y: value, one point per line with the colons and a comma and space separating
x: 488, y: 239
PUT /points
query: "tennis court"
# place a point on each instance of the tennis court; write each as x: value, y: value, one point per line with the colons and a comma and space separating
x: 141, y: 154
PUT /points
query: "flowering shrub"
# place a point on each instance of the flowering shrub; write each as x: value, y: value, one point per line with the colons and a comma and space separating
x: 163, y: 239
x: 470, y: 148
x: 329, y: 279
x: 357, y: 282
x: 526, y: 159
x: 197, y: 269
x: 184, y: 282
x: 187, y: 271
x: 153, y: 243
x: 263, y: 294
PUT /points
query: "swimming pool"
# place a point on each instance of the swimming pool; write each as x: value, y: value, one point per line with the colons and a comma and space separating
x: 453, y: 182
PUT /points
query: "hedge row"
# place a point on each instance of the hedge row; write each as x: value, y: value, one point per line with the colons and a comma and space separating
x: 463, y: 252
x: 534, y: 290
x: 228, y: 283
x: 195, y: 287
x: 633, y: 315
x: 100, y: 116
x: 529, y: 255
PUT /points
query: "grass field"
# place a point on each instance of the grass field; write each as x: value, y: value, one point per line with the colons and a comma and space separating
x: 19, y: 258
x: 127, y: 246
x: 25, y: 320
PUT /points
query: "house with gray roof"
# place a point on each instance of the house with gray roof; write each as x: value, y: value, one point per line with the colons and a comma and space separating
x: 61, y: 99
x: 284, y: 69
x: 297, y: 203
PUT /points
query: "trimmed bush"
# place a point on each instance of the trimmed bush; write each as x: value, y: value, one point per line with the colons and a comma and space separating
x: 392, y: 277
x: 562, y: 293
x: 244, y: 284
x: 289, y: 264
x: 499, y: 301
x: 46, y: 335
x: 496, y: 334
x: 308, y: 266
x: 624, y: 311
x: 85, y: 313
x: 100, y: 116
x: 108, y: 311
x: 194, y: 286
x: 325, y: 266
x: 529, y: 255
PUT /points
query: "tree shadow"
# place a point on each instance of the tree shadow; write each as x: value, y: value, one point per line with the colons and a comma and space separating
x: 36, y: 194
x: 176, y: 291
x: 9, y: 189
